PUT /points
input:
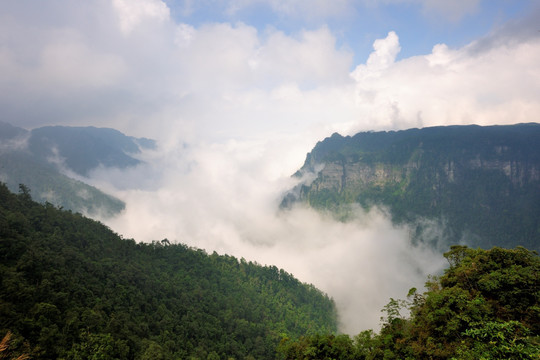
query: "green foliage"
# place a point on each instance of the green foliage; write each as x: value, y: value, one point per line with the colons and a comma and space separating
x: 498, y: 340
x: 323, y: 347
x: 70, y: 288
x: 485, y: 306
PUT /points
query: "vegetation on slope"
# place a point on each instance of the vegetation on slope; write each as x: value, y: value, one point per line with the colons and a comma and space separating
x: 70, y: 288
x: 485, y: 306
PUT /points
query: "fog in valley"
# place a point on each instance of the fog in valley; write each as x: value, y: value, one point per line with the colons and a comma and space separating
x: 225, y: 198
x: 235, y: 108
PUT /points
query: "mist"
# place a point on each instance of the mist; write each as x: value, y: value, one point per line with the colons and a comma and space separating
x: 225, y: 197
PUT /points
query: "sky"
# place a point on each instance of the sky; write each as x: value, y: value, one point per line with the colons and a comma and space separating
x: 237, y: 92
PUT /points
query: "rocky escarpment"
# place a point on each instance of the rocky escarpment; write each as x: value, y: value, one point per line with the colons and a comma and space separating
x: 483, y: 182
x: 342, y: 176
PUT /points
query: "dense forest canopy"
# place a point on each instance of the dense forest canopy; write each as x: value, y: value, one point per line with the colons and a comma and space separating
x: 70, y: 288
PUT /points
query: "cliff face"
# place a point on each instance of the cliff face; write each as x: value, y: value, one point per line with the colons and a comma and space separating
x: 341, y: 176
x: 483, y: 182
x: 347, y: 176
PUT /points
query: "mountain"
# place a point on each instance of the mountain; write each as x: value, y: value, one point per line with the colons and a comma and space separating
x: 40, y: 158
x: 9, y: 132
x: 82, y: 149
x: 70, y: 288
x: 480, y: 185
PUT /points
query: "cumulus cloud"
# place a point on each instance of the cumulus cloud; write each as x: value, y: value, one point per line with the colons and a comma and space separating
x: 383, y: 56
x: 232, y: 80
x: 498, y: 85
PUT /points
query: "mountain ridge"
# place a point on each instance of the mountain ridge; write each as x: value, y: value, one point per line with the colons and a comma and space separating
x: 483, y: 181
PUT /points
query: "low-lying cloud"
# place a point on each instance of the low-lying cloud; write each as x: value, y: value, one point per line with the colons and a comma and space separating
x: 225, y: 197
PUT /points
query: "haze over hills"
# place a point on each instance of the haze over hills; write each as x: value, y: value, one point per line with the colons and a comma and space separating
x: 475, y: 185
x: 47, y: 159
x: 82, y: 149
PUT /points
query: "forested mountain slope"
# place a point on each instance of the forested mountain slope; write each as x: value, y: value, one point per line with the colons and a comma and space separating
x: 70, y: 288
x: 481, y: 183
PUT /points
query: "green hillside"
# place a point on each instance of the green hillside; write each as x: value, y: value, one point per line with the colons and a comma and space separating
x: 70, y: 288
x: 481, y: 183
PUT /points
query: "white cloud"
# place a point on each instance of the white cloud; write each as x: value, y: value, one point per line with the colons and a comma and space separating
x: 498, y: 85
x: 379, y: 60
x: 223, y: 197
x: 68, y: 62
x: 184, y: 35
x: 310, y: 58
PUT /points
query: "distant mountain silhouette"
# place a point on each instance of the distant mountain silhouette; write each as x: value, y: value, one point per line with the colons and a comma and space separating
x: 85, y: 148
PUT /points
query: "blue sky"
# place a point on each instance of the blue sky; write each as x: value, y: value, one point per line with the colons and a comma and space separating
x: 360, y: 23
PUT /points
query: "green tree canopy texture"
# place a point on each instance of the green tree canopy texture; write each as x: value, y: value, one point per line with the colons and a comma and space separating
x: 70, y: 288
